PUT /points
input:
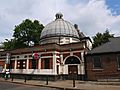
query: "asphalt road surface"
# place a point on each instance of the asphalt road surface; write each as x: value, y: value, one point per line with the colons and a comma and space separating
x: 13, y: 86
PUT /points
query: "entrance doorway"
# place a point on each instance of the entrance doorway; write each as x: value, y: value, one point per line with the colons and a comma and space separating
x: 72, y: 69
x: 72, y: 63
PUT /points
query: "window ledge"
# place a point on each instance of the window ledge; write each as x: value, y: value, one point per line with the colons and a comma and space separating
x: 97, y: 69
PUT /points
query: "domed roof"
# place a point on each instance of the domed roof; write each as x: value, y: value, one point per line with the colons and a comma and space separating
x: 59, y: 28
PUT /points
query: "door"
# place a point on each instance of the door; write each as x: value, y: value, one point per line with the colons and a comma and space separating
x: 72, y: 70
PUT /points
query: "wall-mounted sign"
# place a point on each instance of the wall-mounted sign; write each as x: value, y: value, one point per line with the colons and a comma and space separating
x: 35, y: 56
x: 7, y: 61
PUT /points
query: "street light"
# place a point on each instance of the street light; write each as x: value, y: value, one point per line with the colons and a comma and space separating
x: 31, y: 44
x: 7, y: 62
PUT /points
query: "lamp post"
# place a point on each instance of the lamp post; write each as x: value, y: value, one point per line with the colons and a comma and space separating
x: 7, y: 62
x: 31, y: 44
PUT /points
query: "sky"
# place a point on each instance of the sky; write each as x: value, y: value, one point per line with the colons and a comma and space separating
x: 92, y: 16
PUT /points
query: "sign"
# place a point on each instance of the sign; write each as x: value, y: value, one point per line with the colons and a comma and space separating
x: 35, y: 56
x: 7, y: 61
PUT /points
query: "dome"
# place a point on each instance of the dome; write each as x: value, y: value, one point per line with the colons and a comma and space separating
x: 59, y: 28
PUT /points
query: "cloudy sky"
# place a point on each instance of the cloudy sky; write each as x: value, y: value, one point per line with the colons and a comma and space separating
x: 92, y: 16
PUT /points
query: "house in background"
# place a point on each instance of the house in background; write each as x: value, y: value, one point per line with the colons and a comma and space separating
x: 103, y: 62
x: 60, y: 54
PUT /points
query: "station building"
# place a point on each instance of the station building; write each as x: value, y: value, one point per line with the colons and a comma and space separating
x: 59, y: 55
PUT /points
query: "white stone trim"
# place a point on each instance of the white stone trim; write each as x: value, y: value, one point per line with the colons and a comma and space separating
x: 47, y: 57
x: 82, y: 69
x: 15, y: 66
x: 34, y: 71
x: 70, y: 56
x: 27, y: 64
x: 54, y: 63
x: 82, y: 56
x: 39, y: 63
x: 73, y: 51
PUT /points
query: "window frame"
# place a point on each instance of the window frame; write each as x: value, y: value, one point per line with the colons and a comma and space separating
x: 93, y: 61
x: 21, y: 65
x: 118, y: 61
x: 47, y: 63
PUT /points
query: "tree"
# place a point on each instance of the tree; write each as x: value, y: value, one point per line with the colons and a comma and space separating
x: 28, y: 31
x: 25, y: 33
x: 101, y: 38
x: 8, y: 44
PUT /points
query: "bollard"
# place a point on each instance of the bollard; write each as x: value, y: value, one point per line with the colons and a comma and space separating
x: 47, y: 80
x: 73, y: 81
x: 12, y: 78
x: 25, y: 79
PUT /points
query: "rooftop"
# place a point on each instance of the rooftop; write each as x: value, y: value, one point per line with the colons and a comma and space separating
x: 112, y: 46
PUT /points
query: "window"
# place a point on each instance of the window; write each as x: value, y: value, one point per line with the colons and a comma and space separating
x: 13, y: 57
x: 47, y: 63
x: 25, y: 56
x: 17, y: 56
x: 72, y: 60
x: 118, y: 61
x: 97, y: 62
x: 30, y: 55
x: 21, y: 64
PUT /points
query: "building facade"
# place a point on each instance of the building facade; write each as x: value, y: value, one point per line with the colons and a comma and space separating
x: 103, y: 62
x: 60, y: 54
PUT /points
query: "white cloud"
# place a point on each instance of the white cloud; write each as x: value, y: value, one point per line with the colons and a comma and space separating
x: 92, y: 16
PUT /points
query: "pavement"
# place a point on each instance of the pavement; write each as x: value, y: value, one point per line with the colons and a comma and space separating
x: 68, y: 84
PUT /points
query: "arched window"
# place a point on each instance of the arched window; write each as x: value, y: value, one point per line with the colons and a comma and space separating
x: 72, y: 60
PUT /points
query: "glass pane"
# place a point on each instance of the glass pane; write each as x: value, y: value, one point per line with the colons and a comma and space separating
x: 118, y: 59
x: 97, y: 62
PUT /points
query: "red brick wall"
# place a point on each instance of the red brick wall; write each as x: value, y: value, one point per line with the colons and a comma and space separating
x: 30, y: 64
x: 77, y: 54
x: 47, y: 54
x: 2, y: 63
x: 109, y: 68
x: 65, y: 55
x: 51, y: 63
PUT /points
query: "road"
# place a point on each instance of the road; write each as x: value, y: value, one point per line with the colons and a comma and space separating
x: 13, y: 86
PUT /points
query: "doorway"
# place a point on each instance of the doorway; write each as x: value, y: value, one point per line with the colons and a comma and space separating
x: 72, y: 69
x: 72, y: 63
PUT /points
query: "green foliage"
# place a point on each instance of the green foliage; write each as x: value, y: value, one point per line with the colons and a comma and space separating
x: 8, y: 44
x: 101, y: 38
x: 24, y: 34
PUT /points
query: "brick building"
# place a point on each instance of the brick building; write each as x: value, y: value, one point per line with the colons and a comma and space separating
x: 103, y: 62
x: 60, y: 54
